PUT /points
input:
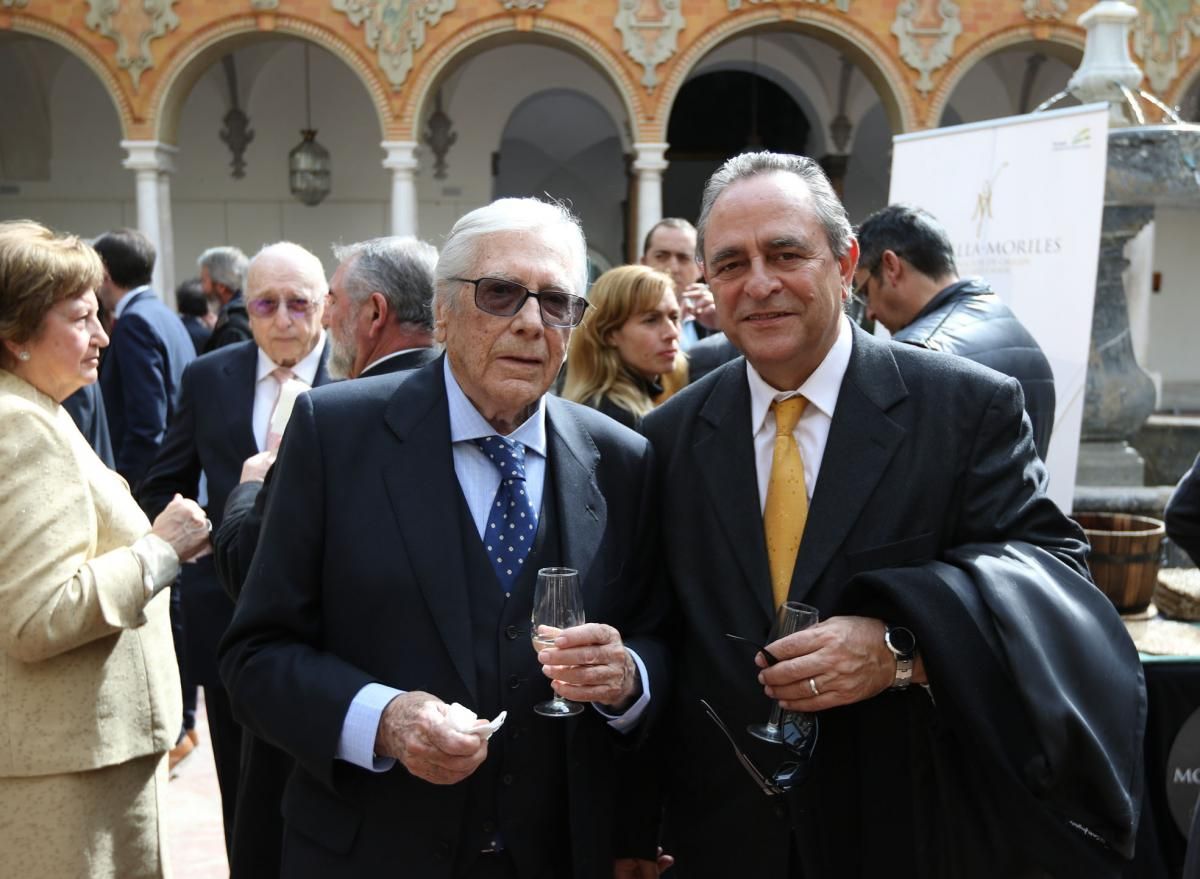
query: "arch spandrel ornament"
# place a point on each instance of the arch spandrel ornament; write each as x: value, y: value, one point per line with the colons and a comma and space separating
x: 1162, y: 39
x: 132, y: 26
x: 926, y: 31
x: 649, y: 33
x: 395, y: 29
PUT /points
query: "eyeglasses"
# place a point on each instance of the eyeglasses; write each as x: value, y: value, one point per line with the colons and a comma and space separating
x: 799, y: 737
x: 505, y: 298
x: 296, y: 306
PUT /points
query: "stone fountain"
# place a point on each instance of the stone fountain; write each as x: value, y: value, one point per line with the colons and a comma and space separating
x: 1148, y: 166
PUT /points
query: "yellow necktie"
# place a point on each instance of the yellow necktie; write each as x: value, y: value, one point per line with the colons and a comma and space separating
x: 787, y: 498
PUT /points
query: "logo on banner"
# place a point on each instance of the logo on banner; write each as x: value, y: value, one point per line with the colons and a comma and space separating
x: 1081, y: 140
x: 983, y: 201
x: 983, y: 254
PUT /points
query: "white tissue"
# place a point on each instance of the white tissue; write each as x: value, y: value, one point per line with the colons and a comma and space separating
x: 465, y: 720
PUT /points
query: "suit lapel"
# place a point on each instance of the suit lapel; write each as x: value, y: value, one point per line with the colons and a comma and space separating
x: 321, y: 376
x: 862, y: 441
x: 583, y: 512
x: 422, y: 485
x: 724, y: 450
x: 237, y: 399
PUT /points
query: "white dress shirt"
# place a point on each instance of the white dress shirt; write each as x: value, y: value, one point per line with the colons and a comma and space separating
x: 123, y: 302
x: 267, y: 387
x: 812, y: 430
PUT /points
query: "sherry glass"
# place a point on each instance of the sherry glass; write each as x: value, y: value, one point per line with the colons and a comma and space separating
x: 557, y: 605
x: 792, y: 616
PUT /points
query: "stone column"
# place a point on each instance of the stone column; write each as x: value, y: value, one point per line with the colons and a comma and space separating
x: 649, y: 164
x: 153, y: 162
x: 401, y: 160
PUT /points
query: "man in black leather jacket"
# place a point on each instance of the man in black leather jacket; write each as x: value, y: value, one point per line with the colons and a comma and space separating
x: 909, y: 282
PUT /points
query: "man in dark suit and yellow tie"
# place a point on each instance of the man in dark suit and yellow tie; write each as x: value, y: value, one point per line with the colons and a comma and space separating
x: 900, y: 493
x: 375, y: 600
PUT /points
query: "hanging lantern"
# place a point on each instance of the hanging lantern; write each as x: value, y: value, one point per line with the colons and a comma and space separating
x: 310, y: 170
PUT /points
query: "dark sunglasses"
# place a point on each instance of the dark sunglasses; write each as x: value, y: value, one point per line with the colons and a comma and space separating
x: 505, y: 298
x: 296, y: 306
x: 799, y: 737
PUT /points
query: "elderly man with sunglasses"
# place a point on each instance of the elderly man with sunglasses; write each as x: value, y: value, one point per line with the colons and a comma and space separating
x: 380, y: 594
x: 226, y: 401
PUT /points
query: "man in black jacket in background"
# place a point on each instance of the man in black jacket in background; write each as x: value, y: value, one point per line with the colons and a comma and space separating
x: 909, y: 283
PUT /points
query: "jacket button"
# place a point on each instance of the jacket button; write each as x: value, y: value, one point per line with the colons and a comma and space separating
x: 512, y: 633
x: 507, y: 778
x: 513, y: 682
x: 444, y: 849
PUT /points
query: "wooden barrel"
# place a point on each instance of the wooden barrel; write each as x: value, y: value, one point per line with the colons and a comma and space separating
x: 1125, y: 555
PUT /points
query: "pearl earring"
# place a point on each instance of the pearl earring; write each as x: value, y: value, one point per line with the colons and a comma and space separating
x: 24, y: 356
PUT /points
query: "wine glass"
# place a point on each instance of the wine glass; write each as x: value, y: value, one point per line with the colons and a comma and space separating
x: 557, y: 605
x: 792, y: 616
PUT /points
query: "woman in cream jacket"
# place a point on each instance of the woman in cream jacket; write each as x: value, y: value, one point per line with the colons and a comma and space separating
x: 89, y: 688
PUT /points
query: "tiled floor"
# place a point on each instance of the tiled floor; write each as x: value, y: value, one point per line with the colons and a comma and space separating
x: 196, y: 837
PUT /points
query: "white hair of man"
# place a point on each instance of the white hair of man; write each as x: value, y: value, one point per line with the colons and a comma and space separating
x: 303, y: 260
x: 509, y: 215
x: 400, y: 268
x: 226, y: 266
x: 829, y: 209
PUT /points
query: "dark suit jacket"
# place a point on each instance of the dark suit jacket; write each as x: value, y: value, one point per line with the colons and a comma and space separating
x: 232, y: 326
x: 211, y: 433
x: 140, y: 379
x: 360, y: 577
x: 86, y: 408
x: 708, y: 354
x: 235, y: 540
x: 1183, y: 513
x: 258, y: 828
x: 199, y: 331
x: 925, y: 453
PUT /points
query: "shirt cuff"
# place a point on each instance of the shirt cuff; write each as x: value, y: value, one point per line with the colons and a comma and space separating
x: 357, y: 742
x: 624, y: 723
x: 159, y: 562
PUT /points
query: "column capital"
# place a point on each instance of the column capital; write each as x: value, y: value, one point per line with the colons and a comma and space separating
x: 650, y: 157
x: 401, y: 155
x: 149, y: 155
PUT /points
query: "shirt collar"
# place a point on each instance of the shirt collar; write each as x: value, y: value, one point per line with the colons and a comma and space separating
x: 821, y: 388
x: 305, y: 370
x: 467, y: 424
x: 124, y: 301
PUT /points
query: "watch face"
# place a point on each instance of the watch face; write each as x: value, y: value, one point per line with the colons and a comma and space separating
x: 901, y: 641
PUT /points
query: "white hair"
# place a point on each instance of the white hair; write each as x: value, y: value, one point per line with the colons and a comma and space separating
x: 510, y: 215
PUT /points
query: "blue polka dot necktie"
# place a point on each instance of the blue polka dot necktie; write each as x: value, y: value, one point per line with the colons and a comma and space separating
x: 512, y: 521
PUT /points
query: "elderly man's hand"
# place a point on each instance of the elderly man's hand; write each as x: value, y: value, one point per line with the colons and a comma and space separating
x: 415, y: 731
x: 589, y: 663
x: 844, y: 657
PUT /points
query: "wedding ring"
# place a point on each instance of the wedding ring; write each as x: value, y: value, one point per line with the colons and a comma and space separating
x: 812, y: 685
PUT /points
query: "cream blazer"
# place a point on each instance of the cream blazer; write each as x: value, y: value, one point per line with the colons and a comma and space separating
x: 88, y: 676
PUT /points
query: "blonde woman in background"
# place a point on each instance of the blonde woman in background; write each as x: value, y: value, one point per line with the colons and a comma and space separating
x: 89, y: 687
x: 627, y: 347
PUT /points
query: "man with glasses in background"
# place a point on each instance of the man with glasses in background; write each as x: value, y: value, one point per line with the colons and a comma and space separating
x: 226, y: 402
x: 383, y: 590
x: 907, y: 280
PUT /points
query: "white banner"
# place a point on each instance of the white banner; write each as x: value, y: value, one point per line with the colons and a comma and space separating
x: 1022, y: 199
